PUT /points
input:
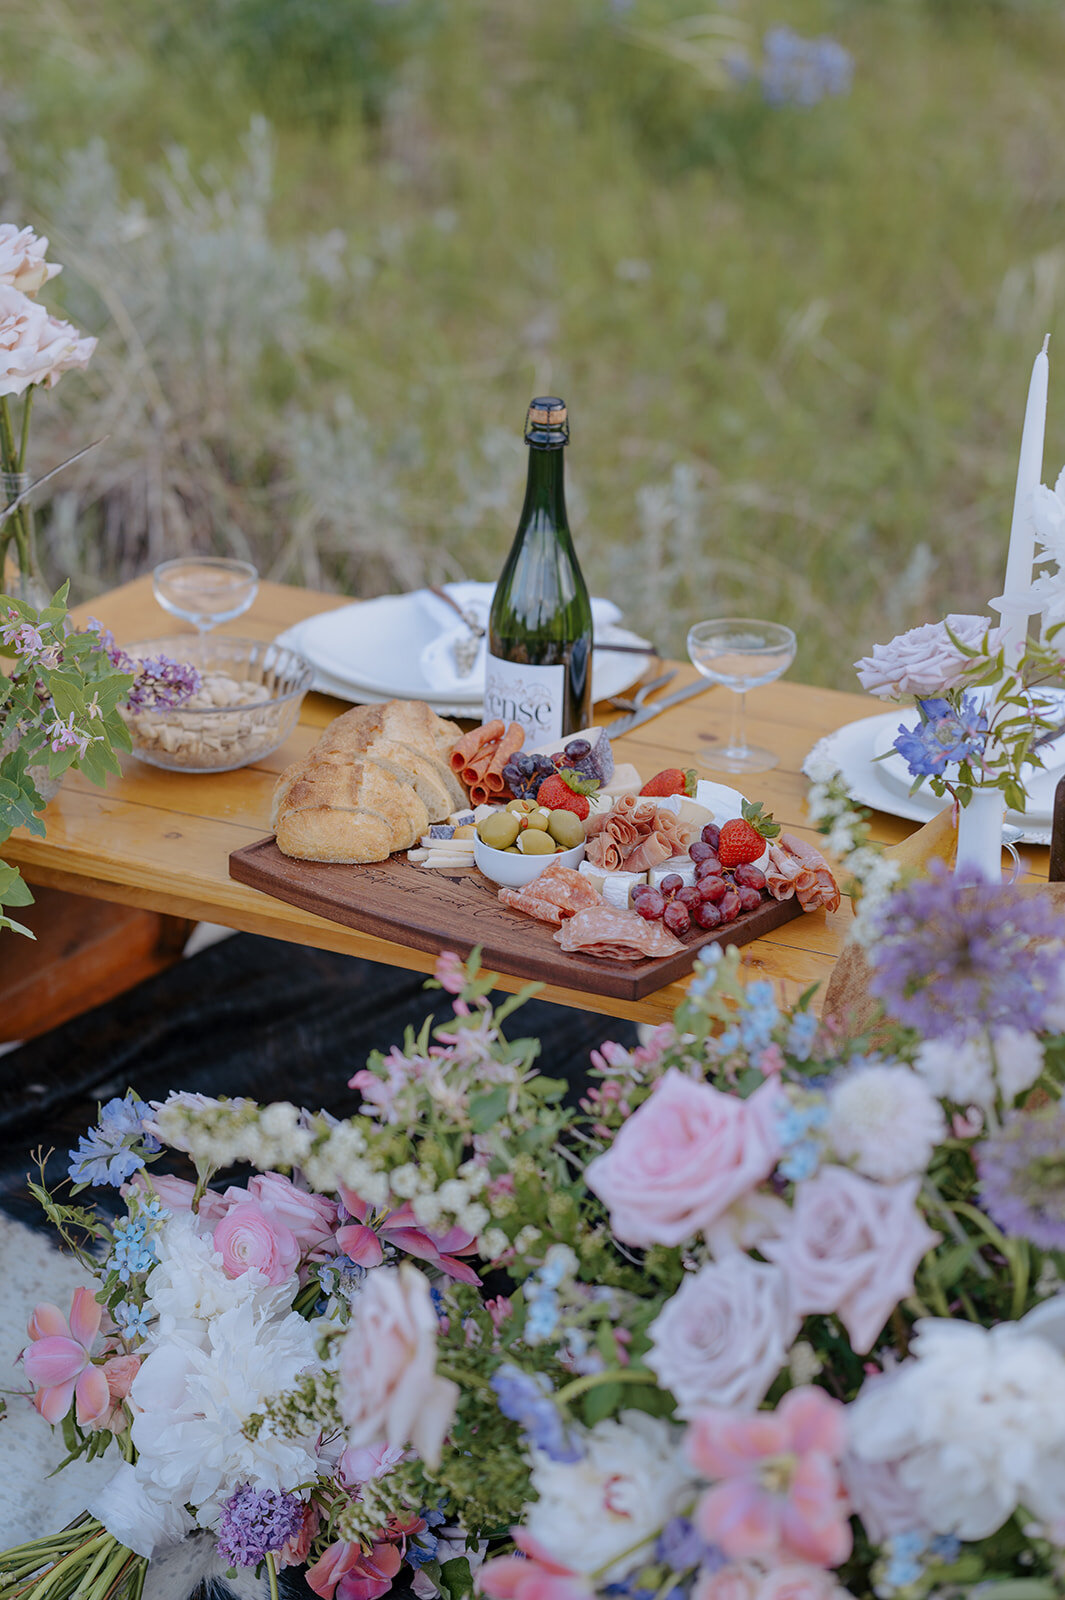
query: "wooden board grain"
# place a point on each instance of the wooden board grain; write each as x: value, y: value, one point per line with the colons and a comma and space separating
x: 435, y: 909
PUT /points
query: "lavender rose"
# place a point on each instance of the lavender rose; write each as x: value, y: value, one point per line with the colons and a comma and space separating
x: 724, y: 1336
x: 923, y: 661
x: 22, y: 263
x: 852, y: 1248
x: 682, y: 1158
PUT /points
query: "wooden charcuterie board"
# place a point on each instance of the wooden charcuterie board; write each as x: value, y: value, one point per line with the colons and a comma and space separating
x: 435, y: 909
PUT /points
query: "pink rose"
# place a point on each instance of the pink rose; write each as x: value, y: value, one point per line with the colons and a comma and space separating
x: 295, y: 1550
x: 35, y: 347
x: 388, y: 1383
x: 247, y: 1238
x: 923, y: 661
x: 22, y: 263
x: 800, y: 1583
x: 724, y: 1336
x: 310, y: 1218
x: 682, y: 1158
x: 728, y: 1583
x: 852, y: 1248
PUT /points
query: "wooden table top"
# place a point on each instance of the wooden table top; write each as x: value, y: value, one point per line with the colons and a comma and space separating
x: 162, y: 840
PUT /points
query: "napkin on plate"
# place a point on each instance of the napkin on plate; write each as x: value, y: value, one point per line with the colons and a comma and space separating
x: 438, y: 657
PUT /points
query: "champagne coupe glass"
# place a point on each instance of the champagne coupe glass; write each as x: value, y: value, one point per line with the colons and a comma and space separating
x: 205, y: 590
x: 741, y: 653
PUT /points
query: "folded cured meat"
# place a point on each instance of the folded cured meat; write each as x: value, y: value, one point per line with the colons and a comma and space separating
x: 615, y: 935
x: 556, y: 893
x: 635, y: 836
x: 796, y: 868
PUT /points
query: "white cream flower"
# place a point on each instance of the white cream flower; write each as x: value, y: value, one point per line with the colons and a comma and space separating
x: 724, y: 1336
x: 974, y: 1425
x: 35, y: 347
x: 603, y: 1511
x: 884, y: 1120
x: 969, y: 1072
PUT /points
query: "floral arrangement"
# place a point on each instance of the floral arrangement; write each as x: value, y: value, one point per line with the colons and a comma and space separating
x: 61, y: 699
x: 36, y: 348
x: 980, y: 724
x: 763, y: 1313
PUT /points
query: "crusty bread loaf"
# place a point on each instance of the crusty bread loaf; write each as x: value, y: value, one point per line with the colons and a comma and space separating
x: 372, y: 784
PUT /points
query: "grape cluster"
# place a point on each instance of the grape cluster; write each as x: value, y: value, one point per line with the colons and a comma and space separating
x: 523, y: 774
x: 715, y: 898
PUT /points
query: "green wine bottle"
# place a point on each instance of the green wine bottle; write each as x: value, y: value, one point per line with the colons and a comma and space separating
x: 539, y: 668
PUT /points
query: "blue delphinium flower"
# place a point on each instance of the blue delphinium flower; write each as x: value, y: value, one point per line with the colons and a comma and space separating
x: 704, y: 975
x: 953, y: 953
x: 528, y: 1399
x: 759, y: 1017
x: 114, y: 1150
x: 255, y: 1524
x: 681, y: 1547
x: 943, y: 737
x: 801, y: 1034
x: 797, y: 1125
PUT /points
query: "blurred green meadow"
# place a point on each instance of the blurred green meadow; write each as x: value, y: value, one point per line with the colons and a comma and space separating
x: 332, y: 247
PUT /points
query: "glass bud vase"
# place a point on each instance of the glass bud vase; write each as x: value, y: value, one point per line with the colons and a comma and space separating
x: 21, y: 576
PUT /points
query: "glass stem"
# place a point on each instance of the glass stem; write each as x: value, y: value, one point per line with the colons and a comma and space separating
x: 738, y: 741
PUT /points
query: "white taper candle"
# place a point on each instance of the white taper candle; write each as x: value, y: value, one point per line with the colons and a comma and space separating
x: 1015, y: 611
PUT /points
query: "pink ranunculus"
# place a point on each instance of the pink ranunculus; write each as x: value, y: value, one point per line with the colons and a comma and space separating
x: 246, y: 1237
x: 532, y: 1575
x: 683, y: 1158
x: 724, y: 1336
x: 389, y: 1388
x: 372, y: 1461
x: 296, y: 1549
x: 58, y: 1361
x: 852, y: 1248
x: 310, y: 1218
x: 22, y: 263
x: 728, y: 1583
x: 776, y: 1492
x: 400, y: 1228
x: 34, y: 346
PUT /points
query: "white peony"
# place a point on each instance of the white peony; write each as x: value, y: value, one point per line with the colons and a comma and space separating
x: 724, y: 1336
x: 884, y: 1120
x: 188, y: 1288
x: 22, y: 263
x: 970, y: 1071
x: 604, y: 1510
x: 191, y: 1404
x: 145, y: 1519
x: 974, y: 1425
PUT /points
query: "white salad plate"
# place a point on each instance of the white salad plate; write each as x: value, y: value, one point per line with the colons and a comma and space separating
x: 885, y: 785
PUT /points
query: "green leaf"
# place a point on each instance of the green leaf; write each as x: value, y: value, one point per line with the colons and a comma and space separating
x: 486, y: 1109
x: 1018, y: 1589
x: 456, y: 1579
x: 601, y: 1401
x: 15, y: 927
x: 14, y: 890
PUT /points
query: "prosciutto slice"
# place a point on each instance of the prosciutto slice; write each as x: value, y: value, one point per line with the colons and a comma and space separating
x: 634, y: 836
x: 796, y: 868
x: 615, y: 935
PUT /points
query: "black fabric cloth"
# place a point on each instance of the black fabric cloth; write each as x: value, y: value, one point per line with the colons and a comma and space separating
x: 248, y: 1016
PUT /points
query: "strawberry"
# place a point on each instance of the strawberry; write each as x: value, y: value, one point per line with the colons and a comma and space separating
x: 567, y: 791
x: 671, y: 780
x: 744, y: 838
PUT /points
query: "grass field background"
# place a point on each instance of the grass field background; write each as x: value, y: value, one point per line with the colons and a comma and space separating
x: 332, y: 247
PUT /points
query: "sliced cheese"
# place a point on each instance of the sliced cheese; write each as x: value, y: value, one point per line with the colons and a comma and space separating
x: 683, y: 866
x: 724, y: 803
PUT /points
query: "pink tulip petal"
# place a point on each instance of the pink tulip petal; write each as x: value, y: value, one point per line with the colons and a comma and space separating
x: 85, y: 1316
x: 361, y: 1244
x: 815, y: 1422
x: 48, y: 1321
x: 53, y: 1360
x: 353, y: 1205
x: 740, y: 1518
x: 93, y: 1397
x: 54, y: 1403
x: 721, y: 1444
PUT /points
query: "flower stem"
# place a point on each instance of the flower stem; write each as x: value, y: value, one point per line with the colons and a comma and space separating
x: 465, y: 1380
x: 24, y: 437
x: 271, y: 1573
x: 593, y: 1380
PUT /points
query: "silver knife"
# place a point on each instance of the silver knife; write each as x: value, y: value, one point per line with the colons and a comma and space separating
x: 635, y: 719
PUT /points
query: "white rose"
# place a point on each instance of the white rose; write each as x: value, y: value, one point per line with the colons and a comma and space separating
x: 605, y: 1510
x: 22, y: 263
x: 388, y: 1384
x: 724, y: 1336
x: 923, y: 661
x: 35, y: 347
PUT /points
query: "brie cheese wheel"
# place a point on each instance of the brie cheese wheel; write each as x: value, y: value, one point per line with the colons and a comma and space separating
x: 683, y: 866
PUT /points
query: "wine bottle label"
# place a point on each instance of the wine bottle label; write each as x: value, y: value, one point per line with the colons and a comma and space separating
x: 532, y: 696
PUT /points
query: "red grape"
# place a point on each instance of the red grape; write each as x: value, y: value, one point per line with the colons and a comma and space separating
x: 650, y: 906
x: 670, y: 884
x: 748, y: 876
x: 730, y: 905
x: 676, y: 917
x: 750, y: 899
x: 690, y: 897
x: 700, y: 850
x: 710, y: 835
x: 641, y: 888
x: 711, y: 867
x: 707, y: 915
x: 714, y: 890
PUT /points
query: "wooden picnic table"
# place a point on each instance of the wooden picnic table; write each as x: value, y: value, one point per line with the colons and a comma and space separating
x: 161, y: 840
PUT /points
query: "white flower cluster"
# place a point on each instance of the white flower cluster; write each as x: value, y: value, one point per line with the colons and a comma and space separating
x: 974, y: 1072
x: 846, y: 836
x: 455, y: 1201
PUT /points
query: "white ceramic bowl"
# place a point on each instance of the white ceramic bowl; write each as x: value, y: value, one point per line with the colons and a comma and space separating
x: 513, y: 872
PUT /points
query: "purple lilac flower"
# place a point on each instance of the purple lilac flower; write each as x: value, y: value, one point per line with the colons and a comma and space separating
x: 107, y: 644
x: 1022, y: 1175
x: 161, y: 684
x: 943, y: 736
x: 953, y: 953
x: 528, y: 1399
x: 26, y: 640
x: 681, y: 1547
x: 114, y: 1150
x: 256, y: 1523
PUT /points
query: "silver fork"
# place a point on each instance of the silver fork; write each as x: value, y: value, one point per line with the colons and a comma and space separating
x: 635, y: 703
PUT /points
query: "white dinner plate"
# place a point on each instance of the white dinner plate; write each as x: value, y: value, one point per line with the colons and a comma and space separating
x: 884, y: 785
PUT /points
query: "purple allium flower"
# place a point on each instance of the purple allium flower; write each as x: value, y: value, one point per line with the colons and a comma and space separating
x: 953, y: 953
x: 256, y: 1523
x: 527, y: 1398
x: 162, y: 684
x: 1022, y: 1175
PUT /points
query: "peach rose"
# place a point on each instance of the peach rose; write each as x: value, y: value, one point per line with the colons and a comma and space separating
x: 388, y: 1384
x: 298, y: 1548
x: 35, y: 347
x: 22, y: 263
x: 683, y: 1158
x: 246, y: 1237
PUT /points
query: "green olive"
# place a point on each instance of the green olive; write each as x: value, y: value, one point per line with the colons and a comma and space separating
x: 466, y: 830
x: 536, y: 842
x: 538, y: 819
x: 499, y: 830
x: 566, y: 828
